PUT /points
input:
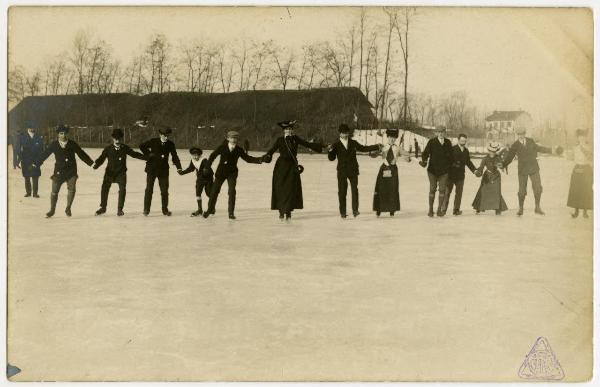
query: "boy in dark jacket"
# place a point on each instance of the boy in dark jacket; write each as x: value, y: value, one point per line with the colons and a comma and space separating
x: 116, y: 170
x: 204, y: 176
x: 229, y: 153
x: 65, y: 167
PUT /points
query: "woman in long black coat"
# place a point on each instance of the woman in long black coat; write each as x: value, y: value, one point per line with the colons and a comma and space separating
x: 286, y: 194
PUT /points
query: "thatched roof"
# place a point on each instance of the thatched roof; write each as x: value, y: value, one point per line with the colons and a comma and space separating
x: 254, y: 113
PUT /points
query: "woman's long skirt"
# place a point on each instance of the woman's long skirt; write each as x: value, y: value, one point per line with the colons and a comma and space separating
x: 489, y: 196
x: 580, y: 190
x: 387, y: 195
x: 286, y: 193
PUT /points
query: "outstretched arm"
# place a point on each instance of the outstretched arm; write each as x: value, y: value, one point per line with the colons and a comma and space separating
x: 100, y: 160
x: 543, y: 149
x: 366, y: 148
x: 45, y: 154
x: 175, y: 158
x: 311, y: 145
x: 249, y: 159
x: 135, y: 155
x: 469, y: 163
x: 213, y: 155
x: 189, y: 169
x: 510, y: 155
x: 332, y: 153
x: 82, y: 155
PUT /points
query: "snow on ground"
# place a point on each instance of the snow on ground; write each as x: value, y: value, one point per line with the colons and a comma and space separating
x: 319, y: 298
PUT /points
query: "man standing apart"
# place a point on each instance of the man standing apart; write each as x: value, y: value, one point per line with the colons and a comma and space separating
x: 157, y: 151
x: 30, y: 146
x: 439, y: 153
x: 526, y: 150
x: 347, y: 167
x: 456, y: 176
x: 65, y: 167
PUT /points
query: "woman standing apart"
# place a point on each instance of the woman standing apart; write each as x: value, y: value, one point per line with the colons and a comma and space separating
x: 387, y: 193
x: 286, y: 194
x: 489, y: 195
x: 580, y: 191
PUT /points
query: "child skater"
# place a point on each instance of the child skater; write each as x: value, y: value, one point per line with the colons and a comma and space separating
x: 489, y: 195
x: 204, y: 176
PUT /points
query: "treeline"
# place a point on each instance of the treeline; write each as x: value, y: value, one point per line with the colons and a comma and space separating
x: 372, y: 54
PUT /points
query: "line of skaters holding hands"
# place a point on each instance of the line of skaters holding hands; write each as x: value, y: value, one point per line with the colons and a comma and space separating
x: 445, y: 169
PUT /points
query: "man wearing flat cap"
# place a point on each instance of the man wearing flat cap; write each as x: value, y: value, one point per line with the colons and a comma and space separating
x: 157, y: 152
x: 65, y: 167
x: 229, y: 153
x: 116, y: 170
x: 526, y: 149
x: 439, y: 153
x: 344, y: 149
x: 30, y: 146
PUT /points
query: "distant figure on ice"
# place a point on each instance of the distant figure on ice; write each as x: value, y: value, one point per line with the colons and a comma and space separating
x: 439, y: 153
x: 489, y: 195
x: 456, y: 175
x: 15, y: 147
x: 286, y: 194
x: 116, y: 170
x: 227, y: 169
x: 417, y: 149
x: 157, y: 151
x: 65, y: 167
x: 581, y: 195
x: 30, y: 146
x: 204, y: 176
x: 526, y: 150
x: 344, y: 149
x: 387, y: 191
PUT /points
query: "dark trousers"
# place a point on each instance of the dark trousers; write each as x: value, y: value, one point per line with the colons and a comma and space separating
x: 28, y: 185
x: 216, y: 188
x: 457, y: 195
x: 343, y: 190
x: 536, y: 185
x: 121, y: 180
x: 71, y: 188
x: 437, y: 183
x: 163, y: 183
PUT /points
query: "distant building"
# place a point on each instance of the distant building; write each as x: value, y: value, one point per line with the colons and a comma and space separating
x: 508, y: 121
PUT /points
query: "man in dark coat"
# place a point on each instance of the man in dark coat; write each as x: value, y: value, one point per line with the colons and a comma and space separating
x: 157, y: 151
x: 229, y: 153
x: 30, y: 146
x: 65, y: 167
x: 344, y: 149
x: 439, y: 153
x: 526, y: 149
x: 116, y: 170
x: 456, y: 175
x: 286, y: 189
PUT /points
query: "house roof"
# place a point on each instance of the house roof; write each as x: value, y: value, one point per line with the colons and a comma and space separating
x: 505, y: 115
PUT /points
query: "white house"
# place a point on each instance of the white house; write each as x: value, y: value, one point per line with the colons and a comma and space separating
x: 508, y: 121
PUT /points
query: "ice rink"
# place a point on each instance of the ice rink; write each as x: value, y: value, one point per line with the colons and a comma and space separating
x: 318, y: 298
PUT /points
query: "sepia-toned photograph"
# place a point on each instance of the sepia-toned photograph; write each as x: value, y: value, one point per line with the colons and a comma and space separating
x: 271, y: 193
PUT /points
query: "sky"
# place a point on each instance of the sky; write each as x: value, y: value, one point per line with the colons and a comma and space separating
x: 539, y: 60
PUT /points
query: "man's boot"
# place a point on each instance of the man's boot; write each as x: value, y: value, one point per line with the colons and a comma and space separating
x: 198, y: 212
x: 164, y: 198
x: 53, y: 200
x: 521, y: 203
x: 70, y: 198
x: 431, y: 200
x: 441, y: 211
x: 538, y: 210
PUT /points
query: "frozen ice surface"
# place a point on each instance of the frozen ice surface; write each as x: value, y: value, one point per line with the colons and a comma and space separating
x: 318, y: 298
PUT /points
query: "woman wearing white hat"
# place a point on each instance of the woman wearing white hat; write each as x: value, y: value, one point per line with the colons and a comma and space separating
x: 489, y: 195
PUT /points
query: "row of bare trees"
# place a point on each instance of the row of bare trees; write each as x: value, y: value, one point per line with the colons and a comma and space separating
x: 364, y: 56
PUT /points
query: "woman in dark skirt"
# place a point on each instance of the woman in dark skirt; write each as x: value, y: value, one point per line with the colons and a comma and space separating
x: 286, y: 194
x: 387, y: 194
x: 580, y: 191
x: 489, y: 195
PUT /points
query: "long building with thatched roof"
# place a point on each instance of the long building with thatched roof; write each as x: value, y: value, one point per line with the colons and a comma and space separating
x: 196, y: 117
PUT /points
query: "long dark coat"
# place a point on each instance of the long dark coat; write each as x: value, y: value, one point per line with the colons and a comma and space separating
x: 29, y: 149
x: 489, y: 195
x: 286, y: 193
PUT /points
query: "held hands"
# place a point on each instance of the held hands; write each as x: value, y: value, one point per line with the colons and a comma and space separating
x: 180, y: 171
x: 266, y: 158
x: 423, y: 163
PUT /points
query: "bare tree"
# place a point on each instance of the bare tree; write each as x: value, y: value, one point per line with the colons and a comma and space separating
x: 16, y: 84
x: 308, y: 68
x: 284, y: 62
x: 361, y: 32
x: 225, y: 65
x: 79, y: 58
x: 402, y: 25
x: 241, y: 57
x: 391, y: 14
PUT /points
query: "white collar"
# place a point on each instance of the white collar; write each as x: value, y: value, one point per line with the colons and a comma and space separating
x: 344, y: 141
x: 31, y: 134
x: 197, y: 163
x: 63, y: 143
